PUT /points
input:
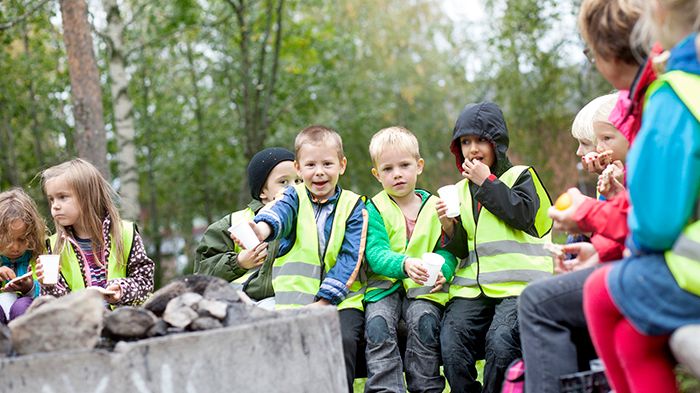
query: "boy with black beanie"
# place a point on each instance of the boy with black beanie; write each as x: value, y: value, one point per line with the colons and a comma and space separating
x: 270, y: 171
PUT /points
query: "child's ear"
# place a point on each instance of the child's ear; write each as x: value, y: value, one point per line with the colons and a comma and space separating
x: 297, y: 167
x: 343, y: 165
x: 420, y: 166
x: 375, y: 173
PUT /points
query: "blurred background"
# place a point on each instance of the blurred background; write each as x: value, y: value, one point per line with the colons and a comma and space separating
x: 184, y: 92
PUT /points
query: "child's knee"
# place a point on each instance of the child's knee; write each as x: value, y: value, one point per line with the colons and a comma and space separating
x: 429, y: 329
x: 377, y: 330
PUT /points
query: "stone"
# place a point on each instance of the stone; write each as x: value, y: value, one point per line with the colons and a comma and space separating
x: 238, y: 313
x: 160, y: 328
x: 40, y: 301
x: 129, y: 322
x: 71, y: 322
x: 685, y: 345
x: 159, y: 300
x: 5, y: 341
x: 212, y: 308
x: 220, y: 289
x: 205, y: 323
x: 180, y: 311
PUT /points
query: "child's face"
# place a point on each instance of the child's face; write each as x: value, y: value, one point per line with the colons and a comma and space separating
x: 398, y: 172
x: 280, y: 177
x: 320, y: 167
x: 584, y: 147
x: 479, y: 148
x: 65, y: 208
x: 609, y: 138
x: 18, y: 242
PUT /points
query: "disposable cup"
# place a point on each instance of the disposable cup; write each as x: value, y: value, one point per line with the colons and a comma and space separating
x: 50, y: 263
x: 433, y: 263
x: 448, y: 194
x: 7, y: 299
x: 245, y: 234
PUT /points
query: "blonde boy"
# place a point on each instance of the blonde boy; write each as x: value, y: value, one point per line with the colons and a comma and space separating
x: 325, y: 228
x: 403, y: 225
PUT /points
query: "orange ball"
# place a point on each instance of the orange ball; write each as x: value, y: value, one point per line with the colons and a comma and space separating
x: 563, y: 202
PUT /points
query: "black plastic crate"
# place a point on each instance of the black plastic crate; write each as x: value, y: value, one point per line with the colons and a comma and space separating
x: 584, y: 382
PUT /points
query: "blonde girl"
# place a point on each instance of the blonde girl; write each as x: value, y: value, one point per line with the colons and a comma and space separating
x: 22, y: 236
x: 632, y: 306
x: 97, y: 248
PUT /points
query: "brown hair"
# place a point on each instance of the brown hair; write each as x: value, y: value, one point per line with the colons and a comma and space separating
x: 317, y: 134
x: 15, y: 205
x: 606, y: 27
x: 96, y: 201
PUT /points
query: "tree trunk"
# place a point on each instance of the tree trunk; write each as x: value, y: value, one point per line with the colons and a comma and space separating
x: 90, y: 135
x: 36, y: 129
x: 123, y: 113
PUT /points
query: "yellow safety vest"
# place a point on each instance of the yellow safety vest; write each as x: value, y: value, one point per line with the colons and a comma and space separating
x: 70, y: 267
x: 502, y: 260
x: 297, y: 275
x: 425, y: 236
x: 683, y: 259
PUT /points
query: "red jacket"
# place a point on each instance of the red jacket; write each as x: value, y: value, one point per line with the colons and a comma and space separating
x: 607, y: 220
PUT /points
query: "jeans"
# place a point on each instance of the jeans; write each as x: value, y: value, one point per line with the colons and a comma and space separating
x: 423, y: 346
x: 553, y: 330
x: 384, y: 367
x: 479, y: 328
x: 351, y: 328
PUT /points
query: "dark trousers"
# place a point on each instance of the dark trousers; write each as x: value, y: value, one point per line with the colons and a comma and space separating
x: 553, y: 330
x: 352, y: 329
x: 481, y: 328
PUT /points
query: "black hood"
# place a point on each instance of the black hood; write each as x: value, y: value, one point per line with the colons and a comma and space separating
x: 484, y: 119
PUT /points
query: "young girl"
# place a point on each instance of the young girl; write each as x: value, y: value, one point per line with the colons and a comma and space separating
x: 22, y: 234
x: 97, y: 248
x: 633, y: 305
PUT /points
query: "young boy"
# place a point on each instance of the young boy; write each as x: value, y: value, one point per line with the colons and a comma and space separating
x: 403, y: 225
x: 269, y: 172
x: 500, y: 231
x: 326, y: 227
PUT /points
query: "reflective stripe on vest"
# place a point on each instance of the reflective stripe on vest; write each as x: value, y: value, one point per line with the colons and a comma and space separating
x: 70, y: 267
x: 297, y: 275
x: 502, y: 260
x: 683, y: 259
x: 425, y: 236
x: 242, y: 215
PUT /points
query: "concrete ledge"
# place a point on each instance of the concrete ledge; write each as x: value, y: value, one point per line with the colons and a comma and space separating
x: 296, y: 352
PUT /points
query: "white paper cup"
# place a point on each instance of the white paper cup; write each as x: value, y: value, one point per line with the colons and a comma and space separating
x: 448, y: 194
x: 433, y: 263
x: 245, y: 234
x: 50, y: 263
x: 7, y: 299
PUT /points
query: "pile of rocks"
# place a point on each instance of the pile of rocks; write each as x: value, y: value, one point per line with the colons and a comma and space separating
x: 80, y: 320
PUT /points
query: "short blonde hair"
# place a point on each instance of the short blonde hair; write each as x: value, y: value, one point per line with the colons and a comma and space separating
x: 606, y: 27
x: 395, y: 138
x: 15, y: 205
x: 683, y: 15
x: 317, y: 134
x: 596, y: 111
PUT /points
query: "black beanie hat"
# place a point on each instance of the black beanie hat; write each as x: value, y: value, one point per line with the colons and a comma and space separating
x: 262, y: 164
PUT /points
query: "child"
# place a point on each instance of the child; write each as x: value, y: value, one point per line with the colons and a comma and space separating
x: 633, y: 305
x: 22, y: 234
x: 503, y: 226
x: 582, y: 131
x: 403, y: 225
x: 321, y: 269
x: 97, y: 248
x: 269, y: 172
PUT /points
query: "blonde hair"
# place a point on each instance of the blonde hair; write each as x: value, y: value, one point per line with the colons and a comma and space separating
x: 683, y: 18
x: 95, y: 199
x: 15, y: 205
x: 596, y: 111
x: 319, y: 134
x: 395, y: 138
x: 606, y: 26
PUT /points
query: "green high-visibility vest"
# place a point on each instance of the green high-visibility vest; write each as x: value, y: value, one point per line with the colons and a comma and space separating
x: 246, y: 214
x: 297, y: 275
x: 70, y: 267
x: 502, y: 260
x: 683, y: 259
x: 425, y: 236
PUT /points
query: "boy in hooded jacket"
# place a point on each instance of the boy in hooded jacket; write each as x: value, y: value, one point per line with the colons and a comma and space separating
x: 498, y: 235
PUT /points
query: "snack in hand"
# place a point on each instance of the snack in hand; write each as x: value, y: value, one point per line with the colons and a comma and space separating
x: 563, y: 202
x: 557, y: 250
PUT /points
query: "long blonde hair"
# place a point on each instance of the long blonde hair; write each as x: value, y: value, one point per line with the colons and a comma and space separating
x: 96, y: 201
x: 683, y: 17
x: 15, y: 205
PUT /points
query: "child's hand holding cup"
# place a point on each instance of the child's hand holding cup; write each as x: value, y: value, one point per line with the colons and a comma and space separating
x: 47, y: 268
x: 432, y: 262
x: 243, y: 234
